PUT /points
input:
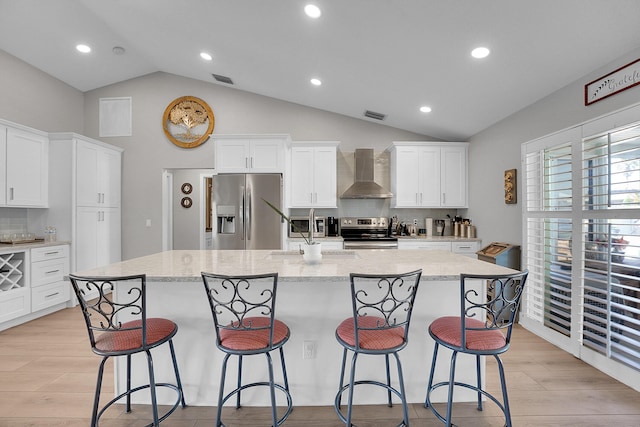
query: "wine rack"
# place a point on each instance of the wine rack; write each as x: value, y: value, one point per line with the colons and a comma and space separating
x: 12, y: 271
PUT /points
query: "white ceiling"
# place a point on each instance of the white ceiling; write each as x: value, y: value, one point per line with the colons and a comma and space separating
x: 387, y: 56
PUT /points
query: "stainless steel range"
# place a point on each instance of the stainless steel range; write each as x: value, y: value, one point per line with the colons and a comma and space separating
x: 367, y: 233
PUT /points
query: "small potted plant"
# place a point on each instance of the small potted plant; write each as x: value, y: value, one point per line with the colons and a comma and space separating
x: 311, y: 250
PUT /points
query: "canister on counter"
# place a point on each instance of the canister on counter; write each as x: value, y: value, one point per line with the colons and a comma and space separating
x: 428, y: 225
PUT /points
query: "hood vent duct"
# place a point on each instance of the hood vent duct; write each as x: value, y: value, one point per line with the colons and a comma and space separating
x: 364, y: 186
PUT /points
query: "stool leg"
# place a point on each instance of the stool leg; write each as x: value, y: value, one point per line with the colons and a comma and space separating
x: 223, y: 375
x: 433, y: 370
x: 352, y: 379
x: 403, y: 396
x: 452, y: 374
x: 175, y: 368
x: 386, y: 359
x: 284, y: 370
x: 239, y: 381
x: 505, y: 398
x: 344, y: 362
x: 96, y: 399
x: 479, y: 376
x: 128, y: 408
x: 272, y: 390
x: 152, y: 389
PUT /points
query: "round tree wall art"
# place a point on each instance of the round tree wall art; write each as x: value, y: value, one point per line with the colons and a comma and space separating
x: 188, y: 121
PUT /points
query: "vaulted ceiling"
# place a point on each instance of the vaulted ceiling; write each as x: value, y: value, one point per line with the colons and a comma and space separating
x: 385, y: 56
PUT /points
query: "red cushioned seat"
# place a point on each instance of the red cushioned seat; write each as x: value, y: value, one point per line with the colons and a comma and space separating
x: 252, y: 339
x: 157, y: 330
x: 378, y: 339
x: 447, y: 329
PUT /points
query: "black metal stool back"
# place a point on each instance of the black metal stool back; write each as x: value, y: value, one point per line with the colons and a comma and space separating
x: 121, y: 328
x: 483, y: 328
x: 243, y: 310
x: 382, y: 307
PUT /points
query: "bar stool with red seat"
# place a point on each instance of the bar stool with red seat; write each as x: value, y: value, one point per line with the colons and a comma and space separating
x: 243, y: 309
x: 478, y: 331
x: 121, y: 328
x: 382, y: 306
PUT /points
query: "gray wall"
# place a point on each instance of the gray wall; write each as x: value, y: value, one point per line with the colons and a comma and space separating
x: 32, y: 98
x: 497, y: 149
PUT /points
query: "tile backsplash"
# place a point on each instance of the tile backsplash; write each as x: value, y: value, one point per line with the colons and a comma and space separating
x: 13, y: 221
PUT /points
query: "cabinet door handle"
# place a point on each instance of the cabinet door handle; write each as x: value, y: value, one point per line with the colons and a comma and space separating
x: 11, y: 193
x: 52, y: 271
x: 251, y: 162
x: 52, y: 253
x: 51, y: 295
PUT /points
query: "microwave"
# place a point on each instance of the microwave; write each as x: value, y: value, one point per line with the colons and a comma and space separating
x: 302, y: 224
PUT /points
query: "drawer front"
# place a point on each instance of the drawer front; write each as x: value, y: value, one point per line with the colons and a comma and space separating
x: 48, y: 295
x: 432, y: 246
x: 50, y: 252
x: 14, y: 304
x: 44, y: 272
x: 465, y: 247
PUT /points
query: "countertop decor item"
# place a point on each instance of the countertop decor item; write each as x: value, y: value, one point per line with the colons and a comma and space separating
x: 188, y: 121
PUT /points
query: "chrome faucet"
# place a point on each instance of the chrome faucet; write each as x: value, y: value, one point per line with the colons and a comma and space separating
x: 312, y: 225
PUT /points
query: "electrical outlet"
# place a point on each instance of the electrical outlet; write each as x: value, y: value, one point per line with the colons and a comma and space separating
x: 309, y: 349
x: 415, y: 222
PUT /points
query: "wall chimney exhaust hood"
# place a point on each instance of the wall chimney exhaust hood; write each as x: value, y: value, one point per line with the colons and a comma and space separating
x: 364, y: 186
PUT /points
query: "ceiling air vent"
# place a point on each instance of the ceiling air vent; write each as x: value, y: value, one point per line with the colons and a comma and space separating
x: 223, y: 79
x: 374, y: 115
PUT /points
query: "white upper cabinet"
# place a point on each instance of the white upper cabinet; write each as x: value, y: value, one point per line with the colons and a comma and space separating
x: 100, y: 169
x: 313, y: 174
x: 3, y: 166
x: 24, y: 169
x: 256, y: 153
x: 429, y: 175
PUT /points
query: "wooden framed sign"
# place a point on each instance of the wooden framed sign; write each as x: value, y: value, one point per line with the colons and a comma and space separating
x: 616, y: 81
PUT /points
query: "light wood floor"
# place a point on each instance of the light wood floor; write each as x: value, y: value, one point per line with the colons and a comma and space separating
x: 48, y: 372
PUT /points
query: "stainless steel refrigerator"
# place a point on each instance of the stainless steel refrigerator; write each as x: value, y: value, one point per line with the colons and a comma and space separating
x: 241, y: 219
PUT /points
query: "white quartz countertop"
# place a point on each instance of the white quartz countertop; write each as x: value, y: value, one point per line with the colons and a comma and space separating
x: 186, y: 265
x: 17, y: 247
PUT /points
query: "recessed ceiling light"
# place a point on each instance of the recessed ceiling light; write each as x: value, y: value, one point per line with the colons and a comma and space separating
x: 83, y: 48
x: 206, y: 56
x: 480, y: 52
x: 425, y: 109
x: 312, y: 11
x: 316, y: 82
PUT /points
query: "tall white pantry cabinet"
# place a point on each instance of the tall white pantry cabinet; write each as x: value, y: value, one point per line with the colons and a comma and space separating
x: 85, y: 194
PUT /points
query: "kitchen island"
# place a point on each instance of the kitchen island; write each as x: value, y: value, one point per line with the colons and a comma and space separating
x: 312, y: 300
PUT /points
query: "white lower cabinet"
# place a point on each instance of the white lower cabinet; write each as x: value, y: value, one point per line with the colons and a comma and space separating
x: 15, y: 297
x: 49, y: 265
x: 97, y: 237
x: 468, y: 249
x: 423, y: 244
x: 32, y: 283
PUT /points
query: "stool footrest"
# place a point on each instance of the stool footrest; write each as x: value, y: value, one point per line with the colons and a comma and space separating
x: 427, y: 403
x: 265, y: 384
x: 144, y: 387
x: 344, y: 388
